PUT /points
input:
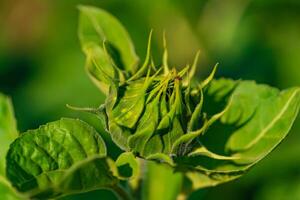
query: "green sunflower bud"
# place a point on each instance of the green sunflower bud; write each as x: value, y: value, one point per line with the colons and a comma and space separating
x: 211, y: 130
x: 158, y: 113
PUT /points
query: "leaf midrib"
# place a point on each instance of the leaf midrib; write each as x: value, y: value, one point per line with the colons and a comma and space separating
x: 274, y: 121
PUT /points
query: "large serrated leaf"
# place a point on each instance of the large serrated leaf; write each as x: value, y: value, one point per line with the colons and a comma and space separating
x: 59, y: 158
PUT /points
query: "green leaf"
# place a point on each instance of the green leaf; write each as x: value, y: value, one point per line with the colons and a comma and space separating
x: 7, y: 192
x: 145, y: 128
x: 161, y: 182
x: 128, y: 110
x: 128, y: 166
x: 99, y: 67
x: 8, y: 133
x: 257, y: 120
x: 107, y: 45
x: 143, y: 69
x: 97, y: 26
x: 175, y: 117
x: 202, y: 180
x: 8, y: 129
x: 125, y: 108
x: 59, y: 158
x: 271, y: 121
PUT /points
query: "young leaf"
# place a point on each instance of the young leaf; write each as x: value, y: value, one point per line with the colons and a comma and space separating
x: 124, y: 108
x: 129, y: 108
x: 165, y: 55
x: 145, y: 128
x: 99, y: 67
x: 109, y: 51
x: 175, y: 116
x: 143, y: 69
x: 97, y: 26
x: 59, y: 158
x: 8, y: 133
x: 8, y: 129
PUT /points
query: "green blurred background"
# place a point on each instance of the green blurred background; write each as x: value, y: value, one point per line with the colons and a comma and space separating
x: 42, y: 67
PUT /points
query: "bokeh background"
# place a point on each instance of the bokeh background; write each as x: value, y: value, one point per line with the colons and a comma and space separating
x: 42, y: 67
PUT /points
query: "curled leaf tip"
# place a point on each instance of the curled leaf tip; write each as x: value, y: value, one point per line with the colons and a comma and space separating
x: 194, y: 66
x: 165, y: 54
x: 144, y: 67
x: 210, y: 77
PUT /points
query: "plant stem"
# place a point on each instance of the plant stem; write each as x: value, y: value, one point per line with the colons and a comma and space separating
x: 121, y: 192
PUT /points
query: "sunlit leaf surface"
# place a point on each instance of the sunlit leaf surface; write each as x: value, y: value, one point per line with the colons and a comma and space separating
x: 59, y: 158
